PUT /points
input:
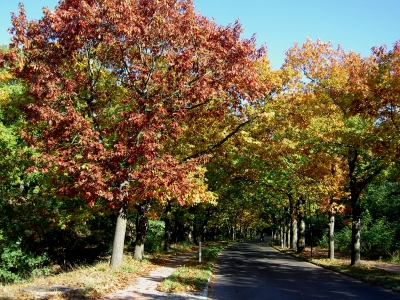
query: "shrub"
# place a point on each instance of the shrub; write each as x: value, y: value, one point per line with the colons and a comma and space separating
x: 324, y: 241
x: 16, y: 264
x: 378, y: 239
x: 343, y: 240
x: 155, y: 236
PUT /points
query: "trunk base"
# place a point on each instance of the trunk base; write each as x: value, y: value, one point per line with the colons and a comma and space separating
x: 139, y: 252
x: 119, y: 239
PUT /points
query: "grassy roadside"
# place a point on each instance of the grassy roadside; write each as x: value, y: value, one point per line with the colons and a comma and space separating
x: 194, y: 276
x: 365, y: 271
x: 92, y: 281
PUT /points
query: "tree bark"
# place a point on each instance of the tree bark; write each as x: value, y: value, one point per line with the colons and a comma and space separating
x: 287, y: 235
x: 356, y: 233
x: 331, y: 235
x: 288, y: 228
x: 119, y: 237
x: 167, y: 231
x: 357, y: 185
x: 355, y: 191
x: 301, y: 240
x: 294, y: 234
x: 141, y: 229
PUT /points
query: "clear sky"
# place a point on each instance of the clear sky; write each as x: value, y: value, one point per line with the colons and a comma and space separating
x: 355, y: 24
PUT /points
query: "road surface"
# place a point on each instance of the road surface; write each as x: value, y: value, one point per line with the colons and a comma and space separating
x: 253, y: 270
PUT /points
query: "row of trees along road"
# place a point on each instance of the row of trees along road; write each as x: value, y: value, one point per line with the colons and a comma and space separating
x: 147, y: 106
x: 117, y: 90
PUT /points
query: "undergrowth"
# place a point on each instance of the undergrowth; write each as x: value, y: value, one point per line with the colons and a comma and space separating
x: 91, y: 281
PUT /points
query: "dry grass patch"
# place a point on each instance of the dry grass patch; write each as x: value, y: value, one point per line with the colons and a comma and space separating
x: 94, y: 281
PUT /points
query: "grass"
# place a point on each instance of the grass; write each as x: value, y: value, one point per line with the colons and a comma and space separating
x: 94, y: 281
x: 366, y: 271
x: 193, y: 276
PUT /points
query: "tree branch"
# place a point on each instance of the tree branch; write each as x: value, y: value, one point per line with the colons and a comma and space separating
x: 215, y: 146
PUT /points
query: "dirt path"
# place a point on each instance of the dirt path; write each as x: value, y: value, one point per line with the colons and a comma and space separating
x: 146, y: 287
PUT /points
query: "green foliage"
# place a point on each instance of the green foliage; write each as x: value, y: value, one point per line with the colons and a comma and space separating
x: 154, y: 236
x: 395, y: 257
x: 317, y: 228
x: 378, y: 239
x: 211, y: 252
x: 381, y: 231
x: 343, y: 240
x: 324, y: 240
x: 17, y: 264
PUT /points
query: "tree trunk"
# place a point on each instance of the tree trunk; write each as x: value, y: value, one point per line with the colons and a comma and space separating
x: 288, y: 238
x: 195, y: 231
x: 141, y: 229
x: 190, y: 236
x: 311, y: 236
x: 331, y: 235
x: 167, y: 230
x: 291, y: 218
x: 355, y: 191
x: 357, y: 184
x: 301, y: 240
x: 356, y: 234
x: 294, y: 235
x: 119, y: 238
x: 287, y: 235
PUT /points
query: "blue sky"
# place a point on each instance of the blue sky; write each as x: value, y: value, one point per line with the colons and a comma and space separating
x: 355, y: 24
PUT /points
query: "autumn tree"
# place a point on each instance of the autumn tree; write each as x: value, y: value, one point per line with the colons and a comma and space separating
x: 286, y: 141
x: 115, y: 84
x: 37, y: 224
x: 340, y: 82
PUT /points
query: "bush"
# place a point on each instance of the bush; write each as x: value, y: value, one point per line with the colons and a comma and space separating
x: 324, y: 241
x: 343, y: 240
x: 155, y: 236
x: 16, y: 264
x: 378, y: 239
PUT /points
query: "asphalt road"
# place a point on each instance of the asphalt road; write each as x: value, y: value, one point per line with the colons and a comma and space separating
x: 253, y: 270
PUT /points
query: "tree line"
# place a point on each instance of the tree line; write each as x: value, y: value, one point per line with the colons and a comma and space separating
x: 122, y: 120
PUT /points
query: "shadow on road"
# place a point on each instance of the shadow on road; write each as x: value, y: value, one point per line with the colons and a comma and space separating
x: 254, y: 270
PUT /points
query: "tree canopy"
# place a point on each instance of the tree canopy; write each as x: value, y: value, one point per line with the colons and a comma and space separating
x: 149, y: 109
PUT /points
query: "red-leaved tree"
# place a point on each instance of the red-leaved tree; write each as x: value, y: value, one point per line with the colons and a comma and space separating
x: 113, y: 86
